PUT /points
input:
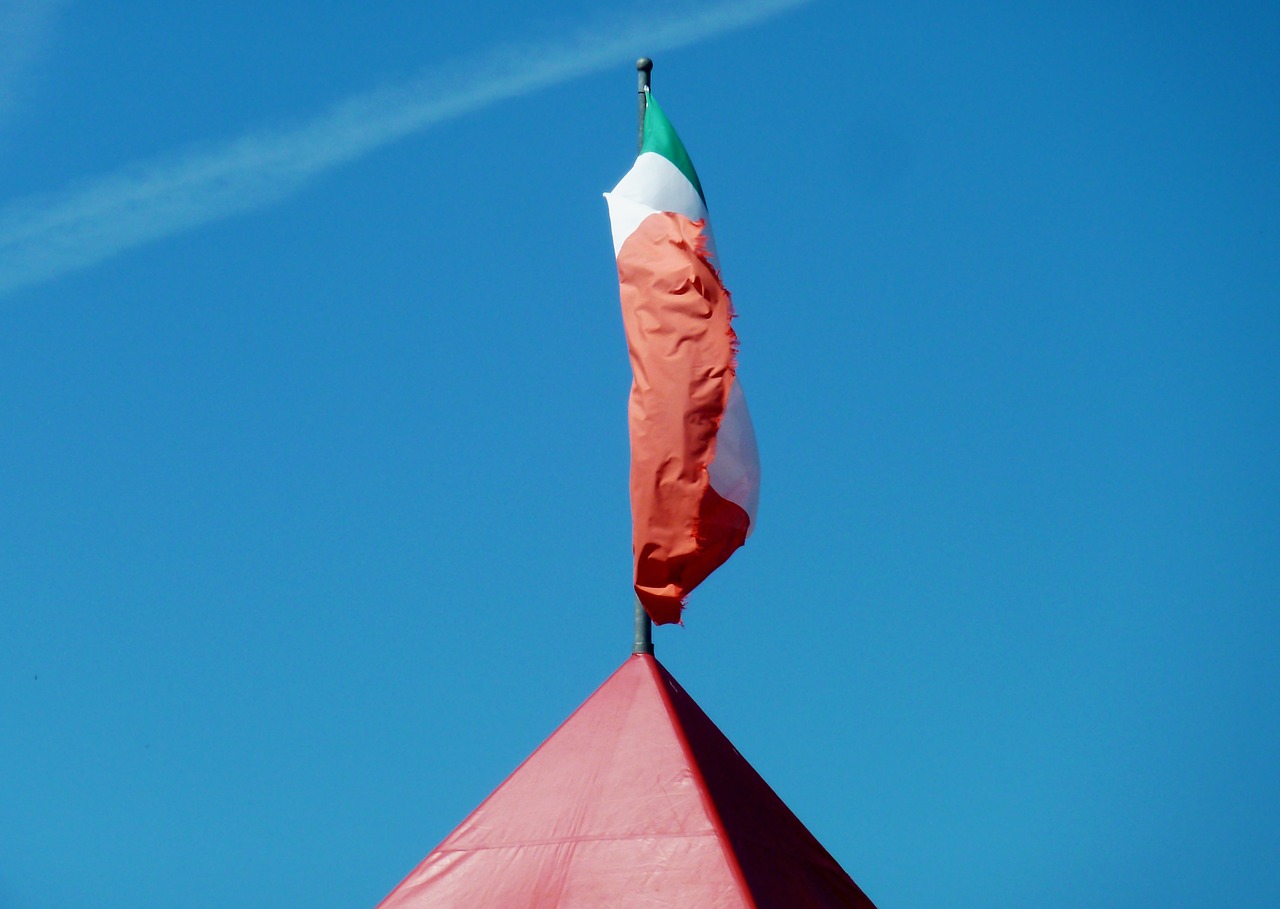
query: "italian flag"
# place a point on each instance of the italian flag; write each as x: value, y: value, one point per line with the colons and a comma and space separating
x: 695, y: 471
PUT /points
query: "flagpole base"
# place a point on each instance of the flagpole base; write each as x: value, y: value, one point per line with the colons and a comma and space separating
x: 644, y: 631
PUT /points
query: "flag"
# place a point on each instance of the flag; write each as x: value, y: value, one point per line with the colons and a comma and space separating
x: 695, y: 471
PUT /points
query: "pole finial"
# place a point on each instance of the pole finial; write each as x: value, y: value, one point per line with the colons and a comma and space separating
x: 644, y: 66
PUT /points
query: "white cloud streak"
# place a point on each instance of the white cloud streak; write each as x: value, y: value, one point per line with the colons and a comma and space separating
x: 41, y: 239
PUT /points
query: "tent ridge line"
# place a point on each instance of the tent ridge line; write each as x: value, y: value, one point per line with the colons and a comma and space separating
x: 704, y: 794
x: 476, y: 811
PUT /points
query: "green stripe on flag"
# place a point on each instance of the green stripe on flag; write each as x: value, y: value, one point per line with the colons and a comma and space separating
x: 660, y: 137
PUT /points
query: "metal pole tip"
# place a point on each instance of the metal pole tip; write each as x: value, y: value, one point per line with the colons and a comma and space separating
x: 644, y: 64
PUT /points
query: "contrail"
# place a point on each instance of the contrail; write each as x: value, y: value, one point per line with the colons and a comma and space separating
x: 42, y: 238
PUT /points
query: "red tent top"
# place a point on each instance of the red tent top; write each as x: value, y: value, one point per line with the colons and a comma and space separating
x: 637, y: 802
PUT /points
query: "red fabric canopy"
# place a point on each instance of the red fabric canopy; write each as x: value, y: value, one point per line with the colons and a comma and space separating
x: 637, y: 802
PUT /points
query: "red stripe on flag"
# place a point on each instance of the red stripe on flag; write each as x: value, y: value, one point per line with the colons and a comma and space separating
x: 677, y: 316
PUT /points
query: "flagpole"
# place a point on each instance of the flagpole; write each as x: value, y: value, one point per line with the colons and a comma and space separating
x: 644, y: 627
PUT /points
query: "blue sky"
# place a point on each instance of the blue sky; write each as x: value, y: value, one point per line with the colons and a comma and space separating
x: 313, y: 475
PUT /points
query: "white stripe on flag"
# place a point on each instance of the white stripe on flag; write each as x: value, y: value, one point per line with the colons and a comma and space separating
x: 654, y: 184
x: 735, y: 470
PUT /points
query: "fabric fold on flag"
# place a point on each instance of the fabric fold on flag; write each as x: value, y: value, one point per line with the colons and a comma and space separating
x: 695, y: 468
